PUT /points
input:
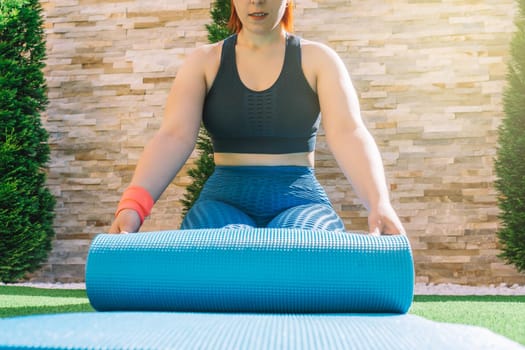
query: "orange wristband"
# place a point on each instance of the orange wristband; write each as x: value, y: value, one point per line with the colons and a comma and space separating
x: 136, y: 198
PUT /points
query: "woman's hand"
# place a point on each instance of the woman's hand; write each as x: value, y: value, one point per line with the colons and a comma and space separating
x: 128, y: 220
x: 383, y: 220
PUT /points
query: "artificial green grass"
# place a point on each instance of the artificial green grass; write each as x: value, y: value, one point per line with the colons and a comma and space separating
x: 504, y: 315
x: 21, y: 301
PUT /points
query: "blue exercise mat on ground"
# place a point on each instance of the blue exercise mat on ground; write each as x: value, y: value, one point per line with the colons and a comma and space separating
x: 250, y: 270
x: 220, y: 331
x: 247, y: 288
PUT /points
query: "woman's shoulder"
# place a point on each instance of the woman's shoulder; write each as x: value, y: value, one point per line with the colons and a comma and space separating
x: 318, y: 57
x: 204, y: 53
x: 317, y: 51
x: 204, y: 60
x: 212, y: 50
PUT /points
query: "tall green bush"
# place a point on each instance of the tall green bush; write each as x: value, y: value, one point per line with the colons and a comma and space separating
x: 510, y: 162
x: 26, y: 205
x: 204, y: 165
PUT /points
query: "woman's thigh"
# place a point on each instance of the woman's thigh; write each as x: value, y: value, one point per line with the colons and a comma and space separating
x: 309, y: 216
x: 215, y: 214
x: 263, y: 192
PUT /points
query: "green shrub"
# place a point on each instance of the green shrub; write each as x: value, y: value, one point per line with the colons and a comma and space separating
x: 217, y: 31
x: 26, y: 205
x: 220, y: 14
x: 204, y: 166
x: 510, y: 162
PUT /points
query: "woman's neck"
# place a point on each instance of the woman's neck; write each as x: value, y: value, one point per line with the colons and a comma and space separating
x: 258, y: 41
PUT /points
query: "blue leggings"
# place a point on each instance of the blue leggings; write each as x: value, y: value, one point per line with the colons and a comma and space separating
x: 263, y: 196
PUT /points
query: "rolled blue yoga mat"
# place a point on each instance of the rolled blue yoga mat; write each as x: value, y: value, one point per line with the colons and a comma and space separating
x: 250, y: 270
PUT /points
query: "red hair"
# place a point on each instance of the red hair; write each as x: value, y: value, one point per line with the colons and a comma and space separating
x: 235, y: 24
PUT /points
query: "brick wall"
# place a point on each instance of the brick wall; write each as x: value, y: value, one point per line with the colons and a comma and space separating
x: 430, y: 76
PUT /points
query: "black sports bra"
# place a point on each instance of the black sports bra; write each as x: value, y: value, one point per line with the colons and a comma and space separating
x: 282, y: 119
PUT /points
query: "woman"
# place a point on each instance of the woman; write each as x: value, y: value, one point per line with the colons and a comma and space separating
x: 259, y: 94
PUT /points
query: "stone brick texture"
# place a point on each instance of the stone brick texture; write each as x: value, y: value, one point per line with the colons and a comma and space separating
x: 430, y: 75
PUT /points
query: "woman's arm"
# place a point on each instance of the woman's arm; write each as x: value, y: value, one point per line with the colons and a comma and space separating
x: 172, y: 144
x: 351, y: 143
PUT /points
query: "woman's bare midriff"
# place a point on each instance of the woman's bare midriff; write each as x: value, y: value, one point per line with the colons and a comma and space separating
x: 256, y: 159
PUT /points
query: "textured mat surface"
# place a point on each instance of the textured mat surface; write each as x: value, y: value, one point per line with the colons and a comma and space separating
x: 117, y: 330
x: 250, y: 270
x: 296, y: 288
